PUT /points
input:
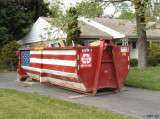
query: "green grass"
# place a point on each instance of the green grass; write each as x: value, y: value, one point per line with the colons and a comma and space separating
x: 21, y: 105
x: 3, y: 70
x: 144, y: 78
x: 7, y: 70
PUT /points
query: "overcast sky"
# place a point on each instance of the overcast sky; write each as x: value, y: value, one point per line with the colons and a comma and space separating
x: 109, y: 10
x: 68, y: 3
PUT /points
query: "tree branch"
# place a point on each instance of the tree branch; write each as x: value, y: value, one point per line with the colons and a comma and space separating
x: 112, y: 1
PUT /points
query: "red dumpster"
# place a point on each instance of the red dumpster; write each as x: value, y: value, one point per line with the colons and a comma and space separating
x: 81, y: 68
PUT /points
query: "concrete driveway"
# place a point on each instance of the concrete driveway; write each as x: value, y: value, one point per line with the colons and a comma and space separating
x: 141, y: 103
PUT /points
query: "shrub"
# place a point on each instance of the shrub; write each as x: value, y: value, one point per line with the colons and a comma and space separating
x: 152, y: 61
x: 73, y: 30
x: 154, y: 51
x: 133, y: 62
x: 8, y: 58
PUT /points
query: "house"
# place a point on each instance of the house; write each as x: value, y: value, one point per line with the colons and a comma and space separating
x: 120, y: 31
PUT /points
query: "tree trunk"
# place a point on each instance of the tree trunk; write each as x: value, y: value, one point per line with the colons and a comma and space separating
x: 142, y: 47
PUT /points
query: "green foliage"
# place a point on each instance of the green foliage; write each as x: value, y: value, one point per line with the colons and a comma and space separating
x: 37, y: 8
x: 65, y: 21
x: 73, y: 31
x: 16, y: 17
x: 88, y: 9
x: 152, y: 61
x: 126, y: 11
x: 133, y: 62
x: 127, y: 15
x: 8, y: 58
x: 154, y: 51
x: 56, y: 9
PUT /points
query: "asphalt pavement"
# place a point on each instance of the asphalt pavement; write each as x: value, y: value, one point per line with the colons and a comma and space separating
x: 136, y: 102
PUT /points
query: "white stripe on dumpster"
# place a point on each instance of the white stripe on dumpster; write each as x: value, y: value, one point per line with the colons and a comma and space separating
x: 54, y: 80
x: 54, y: 61
x: 74, y: 75
x: 54, y: 52
x: 63, y: 82
x: 33, y: 75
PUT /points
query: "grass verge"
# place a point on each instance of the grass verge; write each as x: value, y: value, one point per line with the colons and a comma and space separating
x: 7, y: 70
x: 144, y: 78
x: 21, y: 105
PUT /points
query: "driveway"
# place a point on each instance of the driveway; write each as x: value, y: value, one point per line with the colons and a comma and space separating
x: 134, y: 102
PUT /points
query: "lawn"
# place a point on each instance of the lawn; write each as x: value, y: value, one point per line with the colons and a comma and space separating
x: 7, y: 71
x: 144, y: 78
x: 21, y: 105
x: 3, y: 70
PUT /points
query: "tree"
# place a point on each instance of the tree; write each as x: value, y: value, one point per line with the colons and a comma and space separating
x: 17, y: 16
x: 8, y: 58
x: 73, y: 30
x: 154, y: 11
x: 126, y: 11
x: 88, y: 9
x: 55, y: 8
x: 37, y: 7
x: 68, y: 22
x: 141, y: 9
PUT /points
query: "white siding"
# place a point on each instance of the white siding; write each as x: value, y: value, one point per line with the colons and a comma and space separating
x: 38, y: 29
x: 134, y: 52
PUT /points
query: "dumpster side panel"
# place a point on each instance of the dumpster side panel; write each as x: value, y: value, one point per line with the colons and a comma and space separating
x: 122, y: 62
x: 22, y: 73
x: 114, y: 67
x: 86, y: 65
x: 107, y: 76
x: 54, y: 66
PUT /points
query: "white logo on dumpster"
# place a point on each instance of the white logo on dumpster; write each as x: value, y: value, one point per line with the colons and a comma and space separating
x: 86, y: 59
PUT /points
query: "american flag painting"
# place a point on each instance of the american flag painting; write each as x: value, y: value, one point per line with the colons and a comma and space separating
x: 54, y: 66
x: 25, y: 58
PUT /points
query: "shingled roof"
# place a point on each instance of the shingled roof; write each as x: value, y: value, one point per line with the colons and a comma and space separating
x: 126, y: 27
x: 93, y: 28
x: 87, y: 30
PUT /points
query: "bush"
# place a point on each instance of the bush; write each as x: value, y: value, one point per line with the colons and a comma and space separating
x: 152, y: 61
x: 133, y: 62
x: 154, y: 51
x: 8, y: 58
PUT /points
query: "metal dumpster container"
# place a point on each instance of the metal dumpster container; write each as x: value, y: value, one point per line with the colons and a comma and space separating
x: 81, y: 68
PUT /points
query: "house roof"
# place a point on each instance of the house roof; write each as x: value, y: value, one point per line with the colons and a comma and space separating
x: 121, y: 28
x: 88, y: 31
x: 93, y: 28
x: 42, y: 31
x: 126, y: 27
x: 47, y: 19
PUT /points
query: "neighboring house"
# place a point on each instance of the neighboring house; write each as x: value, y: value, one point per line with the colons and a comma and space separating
x: 93, y: 29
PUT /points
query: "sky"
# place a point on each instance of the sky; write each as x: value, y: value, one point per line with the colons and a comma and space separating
x: 68, y: 3
x: 109, y: 10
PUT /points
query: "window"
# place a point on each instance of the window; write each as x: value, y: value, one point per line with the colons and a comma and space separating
x: 119, y: 44
x: 148, y: 44
x: 156, y: 42
x: 134, y: 45
x: 29, y: 45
